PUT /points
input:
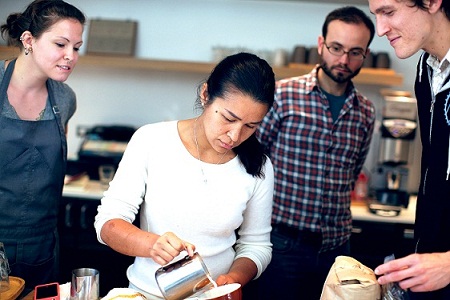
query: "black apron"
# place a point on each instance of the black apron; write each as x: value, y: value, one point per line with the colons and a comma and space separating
x: 32, y: 169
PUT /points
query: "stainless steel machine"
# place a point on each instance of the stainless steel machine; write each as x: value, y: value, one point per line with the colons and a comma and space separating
x: 389, y: 181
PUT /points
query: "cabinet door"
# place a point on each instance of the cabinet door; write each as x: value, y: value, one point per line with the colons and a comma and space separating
x: 371, y: 242
x: 79, y: 247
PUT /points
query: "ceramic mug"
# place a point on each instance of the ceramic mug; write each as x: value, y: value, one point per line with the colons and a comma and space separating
x: 230, y: 291
x: 382, y: 60
x: 313, y: 56
x: 106, y: 174
x: 368, y: 61
x: 299, y: 55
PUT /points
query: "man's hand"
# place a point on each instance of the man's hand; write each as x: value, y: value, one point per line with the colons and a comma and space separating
x: 417, y: 272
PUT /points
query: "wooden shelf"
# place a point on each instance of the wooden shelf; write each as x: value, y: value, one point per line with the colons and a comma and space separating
x: 371, y: 76
x: 8, y: 52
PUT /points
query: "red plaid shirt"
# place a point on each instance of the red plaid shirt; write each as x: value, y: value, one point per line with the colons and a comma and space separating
x: 316, y: 161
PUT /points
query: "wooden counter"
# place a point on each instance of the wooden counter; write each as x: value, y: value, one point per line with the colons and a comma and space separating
x: 30, y: 296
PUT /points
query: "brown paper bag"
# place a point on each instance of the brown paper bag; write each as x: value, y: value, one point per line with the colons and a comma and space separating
x: 348, y: 279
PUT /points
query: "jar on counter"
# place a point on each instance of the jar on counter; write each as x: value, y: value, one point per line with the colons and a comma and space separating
x: 360, y: 190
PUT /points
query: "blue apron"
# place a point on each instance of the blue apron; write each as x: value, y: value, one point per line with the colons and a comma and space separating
x: 32, y: 168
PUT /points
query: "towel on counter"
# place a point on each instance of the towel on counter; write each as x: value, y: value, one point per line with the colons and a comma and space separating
x: 64, y: 291
x: 115, y: 293
x: 123, y: 293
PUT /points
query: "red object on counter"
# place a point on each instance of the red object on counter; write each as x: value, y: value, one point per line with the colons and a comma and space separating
x: 360, y: 190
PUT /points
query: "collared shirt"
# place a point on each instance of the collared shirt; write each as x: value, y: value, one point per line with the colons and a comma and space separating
x: 441, y: 70
x: 316, y: 160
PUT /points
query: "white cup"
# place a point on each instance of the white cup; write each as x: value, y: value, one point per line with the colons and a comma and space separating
x: 280, y: 58
x: 230, y: 291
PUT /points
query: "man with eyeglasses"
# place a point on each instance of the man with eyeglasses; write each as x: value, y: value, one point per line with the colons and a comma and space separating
x: 317, y: 134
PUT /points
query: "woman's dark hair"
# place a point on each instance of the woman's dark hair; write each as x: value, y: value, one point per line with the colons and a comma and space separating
x: 445, y: 6
x: 37, y: 18
x: 252, y: 76
x: 349, y: 15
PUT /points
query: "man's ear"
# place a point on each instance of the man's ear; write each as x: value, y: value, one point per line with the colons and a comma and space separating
x: 320, y: 42
x: 433, y: 5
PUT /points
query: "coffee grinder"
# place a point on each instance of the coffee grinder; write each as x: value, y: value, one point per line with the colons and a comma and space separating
x: 390, y: 179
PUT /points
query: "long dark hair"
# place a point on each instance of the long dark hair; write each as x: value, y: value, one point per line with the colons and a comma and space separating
x: 37, y: 18
x: 254, y: 77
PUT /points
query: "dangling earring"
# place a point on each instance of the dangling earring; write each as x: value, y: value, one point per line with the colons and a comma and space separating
x: 28, y: 50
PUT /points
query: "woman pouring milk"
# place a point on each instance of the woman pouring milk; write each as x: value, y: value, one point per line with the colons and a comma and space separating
x: 197, y: 182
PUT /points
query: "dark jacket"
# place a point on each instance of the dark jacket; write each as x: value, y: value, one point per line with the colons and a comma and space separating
x: 433, y: 204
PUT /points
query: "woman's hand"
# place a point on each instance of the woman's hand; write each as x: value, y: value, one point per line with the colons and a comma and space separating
x: 226, y: 279
x: 242, y: 271
x: 168, y: 246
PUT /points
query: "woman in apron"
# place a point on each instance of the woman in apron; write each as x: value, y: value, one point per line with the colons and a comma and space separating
x: 35, y: 106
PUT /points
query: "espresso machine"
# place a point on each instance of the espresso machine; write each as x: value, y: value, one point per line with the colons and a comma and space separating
x: 389, y: 180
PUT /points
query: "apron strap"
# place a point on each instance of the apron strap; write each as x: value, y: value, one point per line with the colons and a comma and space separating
x: 57, y: 114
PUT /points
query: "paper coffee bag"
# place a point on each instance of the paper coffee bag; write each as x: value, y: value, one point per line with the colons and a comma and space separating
x: 348, y: 279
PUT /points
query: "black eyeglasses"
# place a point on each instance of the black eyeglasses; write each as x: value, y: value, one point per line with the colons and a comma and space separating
x: 338, y: 50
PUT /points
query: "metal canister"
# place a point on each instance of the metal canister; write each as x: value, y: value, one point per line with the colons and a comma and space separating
x: 183, y: 278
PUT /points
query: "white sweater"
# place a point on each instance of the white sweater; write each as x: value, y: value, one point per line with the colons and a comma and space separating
x: 159, y: 177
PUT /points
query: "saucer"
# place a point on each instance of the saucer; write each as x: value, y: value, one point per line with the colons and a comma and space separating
x: 16, y: 286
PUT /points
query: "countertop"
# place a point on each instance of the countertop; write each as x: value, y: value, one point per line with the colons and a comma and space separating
x: 360, y: 212
x: 90, y: 189
x: 84, y: 188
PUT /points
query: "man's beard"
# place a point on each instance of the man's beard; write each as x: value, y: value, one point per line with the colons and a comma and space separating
x: 339, y: 78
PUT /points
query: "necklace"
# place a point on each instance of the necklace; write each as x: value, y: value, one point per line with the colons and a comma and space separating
x: 41, y: 114
x: 205, y: 180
